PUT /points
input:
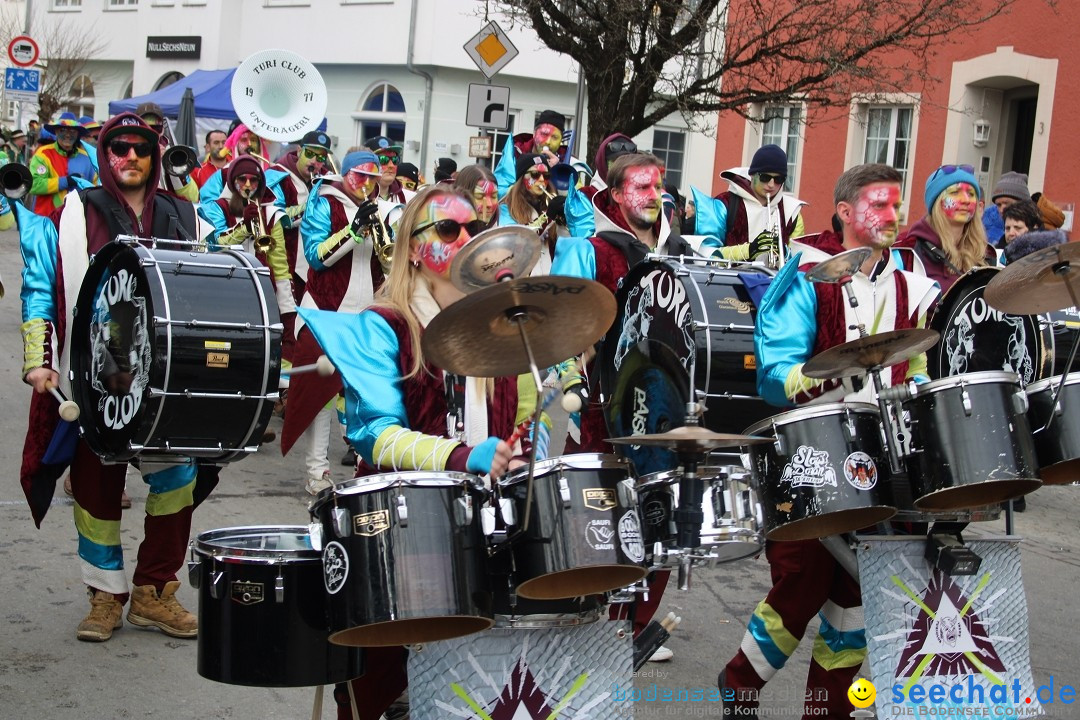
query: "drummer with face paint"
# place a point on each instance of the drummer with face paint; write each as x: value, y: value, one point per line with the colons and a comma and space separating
x: 798, y: 319
x: 399, y: 406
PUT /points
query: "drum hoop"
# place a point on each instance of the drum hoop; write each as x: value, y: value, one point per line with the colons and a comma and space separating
x: 144, y: 253
x: 1051, y: 382
x: 657, y: 479
x: 403, y: 478
x: 810, y: 412
x: 204, y: 545
x: 982, y: 377
x: 577, y: 461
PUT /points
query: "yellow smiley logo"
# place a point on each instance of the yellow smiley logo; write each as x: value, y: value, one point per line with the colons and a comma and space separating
x: 862, y: 693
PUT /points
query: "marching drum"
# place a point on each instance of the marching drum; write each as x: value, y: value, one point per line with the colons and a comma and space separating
x: 403, y: 558
x: 1065, y: 326
x: 514, y: 611
x: 175, y: 353
x: 583, y: 535
x: 680, y: 329
x: 825, y: 473
x: 971, y: 442
x: 1057, y: 428
x: 262, y: 610
x: 732, y: 526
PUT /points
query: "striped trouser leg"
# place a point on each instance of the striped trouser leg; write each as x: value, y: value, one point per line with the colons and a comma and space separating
x: 97, y: 489
x: 839, y: 651
x: 167, y: 523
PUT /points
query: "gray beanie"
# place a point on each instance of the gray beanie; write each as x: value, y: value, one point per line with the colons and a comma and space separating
x: 1011, y: 184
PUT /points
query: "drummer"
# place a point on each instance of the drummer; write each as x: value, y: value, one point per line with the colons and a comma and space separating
x: 398, y: 404
x: 798, y: 319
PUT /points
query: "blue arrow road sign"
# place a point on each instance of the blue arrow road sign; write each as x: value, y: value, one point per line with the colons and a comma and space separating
x: 22, y: 84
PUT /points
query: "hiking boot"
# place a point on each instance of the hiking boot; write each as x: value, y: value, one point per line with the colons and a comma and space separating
x: 148, y: 609
x: 67, y: 486
x: 125, y: 500
x: 105, y: 616
x: 316, y: 485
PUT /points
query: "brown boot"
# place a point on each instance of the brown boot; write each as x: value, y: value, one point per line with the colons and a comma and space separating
x: 104, y: 617
x: 164, y: 612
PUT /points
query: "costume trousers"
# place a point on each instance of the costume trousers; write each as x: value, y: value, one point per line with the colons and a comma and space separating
x: 383, y: 681
x: 807, y: 581
x: 317, y: 441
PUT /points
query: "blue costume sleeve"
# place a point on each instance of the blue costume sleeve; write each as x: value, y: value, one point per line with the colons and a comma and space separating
x: 784, y: 332
x: 710, y: 216
x: 365, y: 351
x: 81, y: 165
x: 213, y: 214
x: 211, y: 190
x: 505, y: 171
x: 504, y: 216
x: 575, y: 257
x: 274, y: 178
x: 38, y: 243
x: 579, y: 213
x: 91, y: 153
x: 315, y: 227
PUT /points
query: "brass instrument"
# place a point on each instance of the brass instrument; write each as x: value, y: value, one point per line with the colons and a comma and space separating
x: 15, y: 180
x: 263, y: 240
x: 179, y: 160
x: 382, y: 238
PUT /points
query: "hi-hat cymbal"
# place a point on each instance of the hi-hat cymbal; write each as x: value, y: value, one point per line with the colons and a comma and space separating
x: 691, y: 438
x: 501, y: 253
x: 855, y: 357
x: 839, y: 266
x: 478, y: 335
x: 1037, y: 283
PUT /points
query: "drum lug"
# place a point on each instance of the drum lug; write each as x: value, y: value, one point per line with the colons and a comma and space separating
x: 1020, y: 404
x: 509, y: 514
x: 465, y: 510
x: 315, y: 533
x: 965, y: 400
x: 194, y: 575
x: 564, y: 492
x: 779, y: 444
x: 217, y: 584
x: 341, y: 522
x: 849, y: 426
x: 402, y: 511
x: 487, y: 520
x: 279, y: 587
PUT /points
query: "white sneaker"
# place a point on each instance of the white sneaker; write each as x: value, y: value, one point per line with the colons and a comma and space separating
x: 316, y: 485
x: 662, y: 654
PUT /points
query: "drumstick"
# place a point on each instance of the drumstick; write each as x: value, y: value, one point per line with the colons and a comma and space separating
x: 68, y: 410
x: 520, y: 430
x: 323, y: 366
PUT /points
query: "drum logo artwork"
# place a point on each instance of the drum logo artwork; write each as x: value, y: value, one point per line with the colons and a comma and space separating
x: 630, y: 537
x: 372, y: 523
x: 809, y: 468
x: 860, y: 471
x: 602, y: 499
x: 976, y: 329
x: 247, y: 593
x: 119, y: 349
x: 658, y: 298
x: 335, y: 567
x: 599, y: 535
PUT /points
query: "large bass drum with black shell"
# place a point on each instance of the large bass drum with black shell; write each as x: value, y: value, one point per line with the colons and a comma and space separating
x: 683, y: 329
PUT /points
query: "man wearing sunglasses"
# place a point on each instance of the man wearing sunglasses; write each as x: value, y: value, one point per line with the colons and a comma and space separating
x: 753, y: 217
x: 55, y: 167
x: 389, y: 155
x: 339, y: 233
x: 127, y: 203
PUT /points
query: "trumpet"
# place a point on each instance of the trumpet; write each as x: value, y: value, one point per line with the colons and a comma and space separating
x: 15, y: 180
x: 263, y: 240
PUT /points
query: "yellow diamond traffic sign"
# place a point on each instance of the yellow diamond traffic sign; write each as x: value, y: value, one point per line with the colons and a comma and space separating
x: 491, y: 49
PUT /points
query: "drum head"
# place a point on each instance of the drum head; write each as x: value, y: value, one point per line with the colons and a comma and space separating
x: 976, y: 337
x: 112, y: 349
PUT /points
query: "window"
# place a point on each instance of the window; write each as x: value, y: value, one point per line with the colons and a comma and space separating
x: 81, y: 97
x: 11, y: 110
x: 382, y: 112
x: 498, y: 141
x: 168, y: 79
x: 782, y: 125
x: 66, y: 4
x: 670, y: 146
x: 122, y: 4
x: 888, y: 138
x: 288, y: 3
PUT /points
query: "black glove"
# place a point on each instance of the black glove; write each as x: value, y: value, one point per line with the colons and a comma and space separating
x: 367, y: 215
x: 763, y: 244
x: 251, y: 217
x: 556, y: 209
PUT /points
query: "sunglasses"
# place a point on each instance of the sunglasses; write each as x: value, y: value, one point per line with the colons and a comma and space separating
x: 950, y: 169
x: 121, y: 148
x: 766, y: 178
x: 536, y: 175
x: 247, y: 179
x: 621, y: 146
x: 408, y: 184
x: 450, y: 230
x: 387, y: 159
x: 312, y: 155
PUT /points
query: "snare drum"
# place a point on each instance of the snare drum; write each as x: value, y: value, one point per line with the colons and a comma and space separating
x: 262, y: 610
x: 970, y: 442
x: 583, y: 535
x: 680, y: 329
x: 514, y: 611
x: 825, y: 473
x: 731, y: 529
x: 175, y: 353
x: 1057, y: 446
x: 403, y: 558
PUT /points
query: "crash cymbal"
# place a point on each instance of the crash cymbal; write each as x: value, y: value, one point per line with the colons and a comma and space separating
x: 881, y: 350
x: 1037, y: 283
x: 501, y: 253
x: 839, y: 266
x: 478, y: 335
x: 691, y: 438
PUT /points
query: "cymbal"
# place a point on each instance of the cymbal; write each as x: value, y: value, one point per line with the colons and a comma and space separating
x: 500, y: 253
x: 1037, y: 283
x: 478, y: 335
x: 881, y: 350
x: 839, y: 266
x: 691, y: 438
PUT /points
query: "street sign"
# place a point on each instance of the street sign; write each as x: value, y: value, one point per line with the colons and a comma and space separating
x: 22, y: 84
x: 23, y: 51
x: 489, y: 106
x: 480, y: 146
x: 491, y: 49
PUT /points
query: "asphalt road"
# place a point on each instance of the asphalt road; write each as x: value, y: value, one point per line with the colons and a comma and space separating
x: 46, y: 673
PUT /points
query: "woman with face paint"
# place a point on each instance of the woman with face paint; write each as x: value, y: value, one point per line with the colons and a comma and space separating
x: 951, y: 239
x: 526, y: 204
x: 478, y: 182
x: 400, y: 405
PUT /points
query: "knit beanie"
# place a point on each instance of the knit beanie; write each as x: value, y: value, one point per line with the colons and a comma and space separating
x: 527, y: 162
x: 939, y: 181
x: 364, y: 162
x: 1011, y: 184
x: 769, y: 159
x: 551, y: 117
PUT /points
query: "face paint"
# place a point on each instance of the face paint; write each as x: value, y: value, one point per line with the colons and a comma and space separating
x: 535, y: 181
x: 130, y: 171
x: 435, y: 254
x: 641, y: 196
x: 548, y: 136
x: 359, y: 185
x: 958, y: 202
x: 876, y: 219
x: 66, y: 137
x: 248, y: 143
x: 486, y: 199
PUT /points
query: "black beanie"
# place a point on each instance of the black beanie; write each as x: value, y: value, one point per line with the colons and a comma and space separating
x: 550, y: 117
x: 769, y: 159
x: 525, y: 163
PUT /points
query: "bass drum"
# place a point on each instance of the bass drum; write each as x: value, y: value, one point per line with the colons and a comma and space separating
x: 681, y: 329
x: 175, y: 353
x: 975, y: 337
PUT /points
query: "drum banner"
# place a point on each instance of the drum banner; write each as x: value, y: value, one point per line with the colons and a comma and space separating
x: 947, y: 646
x: 510, y: 674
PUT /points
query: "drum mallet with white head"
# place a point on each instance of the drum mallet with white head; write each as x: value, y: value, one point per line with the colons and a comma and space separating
x: 68, y: 409
x: 323, y: 366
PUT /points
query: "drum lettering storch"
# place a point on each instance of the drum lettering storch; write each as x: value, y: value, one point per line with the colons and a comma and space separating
x: 175, y: 353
